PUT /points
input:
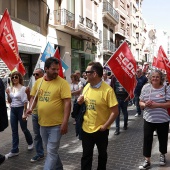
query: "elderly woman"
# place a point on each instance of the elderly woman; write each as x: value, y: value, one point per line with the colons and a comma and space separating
x: 18, y: 102
x: 155, y: 99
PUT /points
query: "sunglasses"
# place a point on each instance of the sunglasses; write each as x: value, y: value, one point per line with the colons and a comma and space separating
x: 14, y: 77
x: 89, y: 71
x: 35, y: 74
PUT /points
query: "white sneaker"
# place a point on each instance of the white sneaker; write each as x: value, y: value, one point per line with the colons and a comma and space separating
x: 30, y: 147
x: 10, y: 155
x: 137, y: 115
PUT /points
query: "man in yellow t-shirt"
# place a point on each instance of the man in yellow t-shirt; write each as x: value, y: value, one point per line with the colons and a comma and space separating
x: 54, y: 106
x: 101, y: 111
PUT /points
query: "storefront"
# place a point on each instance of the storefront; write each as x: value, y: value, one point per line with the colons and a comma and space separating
x: 82, y: 53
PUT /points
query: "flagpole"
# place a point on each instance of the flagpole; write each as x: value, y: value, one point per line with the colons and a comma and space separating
x: 114, y: 52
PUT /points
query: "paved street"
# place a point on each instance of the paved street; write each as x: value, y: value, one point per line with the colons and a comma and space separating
x: 124, y: 151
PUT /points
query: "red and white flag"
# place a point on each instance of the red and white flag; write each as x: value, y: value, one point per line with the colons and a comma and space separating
x: 57, y: 55
x: 8, y: 43
x: 123, y: 66
x: 160, y: 63
x: 20, y: 67
x: 145, y: 68
x: 166, y: 62
x: 154, y: 63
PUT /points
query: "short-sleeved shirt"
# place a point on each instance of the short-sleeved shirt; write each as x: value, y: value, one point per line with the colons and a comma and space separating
x: 50, y: 100
x: 98, y: 103
x: 161, y: 95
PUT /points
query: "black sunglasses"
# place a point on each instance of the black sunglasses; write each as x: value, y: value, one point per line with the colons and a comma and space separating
x: 35, y: 74
x: 89, y: 71
x: 14, y: 77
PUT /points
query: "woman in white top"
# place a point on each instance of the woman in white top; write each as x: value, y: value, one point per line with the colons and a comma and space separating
x: 18, y: 101
x: 76, y: 88
x: 155, y: 99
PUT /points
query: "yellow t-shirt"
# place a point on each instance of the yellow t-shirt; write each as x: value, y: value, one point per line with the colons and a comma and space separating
x: 50, y: 100
x: 98, y: 103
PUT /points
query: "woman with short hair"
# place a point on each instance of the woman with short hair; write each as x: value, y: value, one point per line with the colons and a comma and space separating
x: 155, y: 99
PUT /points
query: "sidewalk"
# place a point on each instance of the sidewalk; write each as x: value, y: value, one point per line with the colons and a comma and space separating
x: 124, y: 150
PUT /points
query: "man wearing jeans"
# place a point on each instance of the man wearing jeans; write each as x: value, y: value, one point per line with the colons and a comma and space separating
x: 38, y: 73
x: 101, y: 111
x: 122, y: 97
x: 54, y: 106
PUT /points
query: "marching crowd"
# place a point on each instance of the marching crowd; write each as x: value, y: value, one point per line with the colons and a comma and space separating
x: 97, y: 100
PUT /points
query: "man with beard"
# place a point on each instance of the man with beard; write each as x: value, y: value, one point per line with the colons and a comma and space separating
x: 54, y: 106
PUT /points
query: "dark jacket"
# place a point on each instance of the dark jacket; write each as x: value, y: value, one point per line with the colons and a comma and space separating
x: 78, y: 114
x: 3, y: 109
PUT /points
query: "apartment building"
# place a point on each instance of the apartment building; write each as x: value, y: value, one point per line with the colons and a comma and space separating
x: 29, y: 19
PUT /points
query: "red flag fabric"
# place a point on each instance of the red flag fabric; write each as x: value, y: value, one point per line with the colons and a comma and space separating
x: 154, y: 63
x: 8, y: 44
x: 57, y: 55
x: 145, y: 68
x: 165, y: 60
x: 160, y: 62
x: 123, y: 66
x: 21, y: 68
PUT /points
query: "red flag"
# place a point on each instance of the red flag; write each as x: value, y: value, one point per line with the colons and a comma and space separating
x: 21, y: 68
x: 8, y: 44
x: 154, y: 63
x: 145, y: 68
x: 160, y: 62
x: 165, y: 60
x: 123, y: 66
x: 57, y: 55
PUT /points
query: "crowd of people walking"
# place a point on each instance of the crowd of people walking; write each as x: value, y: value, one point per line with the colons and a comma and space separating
x: 50, y: 101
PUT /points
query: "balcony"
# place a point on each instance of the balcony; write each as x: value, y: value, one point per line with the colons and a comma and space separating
x: 108, y: 46
x: 110, y: 13
x: 64, y: 17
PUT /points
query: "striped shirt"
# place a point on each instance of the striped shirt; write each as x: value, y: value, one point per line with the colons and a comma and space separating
x: 155, y: 115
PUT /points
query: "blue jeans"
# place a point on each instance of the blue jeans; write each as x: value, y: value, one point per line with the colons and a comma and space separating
x: 51, y: 137
x: 122, y: 106
x: 37, y: 137
x: 15, y: 116
x: 137, y: 104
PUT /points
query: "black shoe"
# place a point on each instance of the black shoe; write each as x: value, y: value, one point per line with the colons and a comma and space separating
x: 2, y: 159
x: 162, y: 161
x: 117, y: 132
x: 146, y: 165
x: 125, y: 128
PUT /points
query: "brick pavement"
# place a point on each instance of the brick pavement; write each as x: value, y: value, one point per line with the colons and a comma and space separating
x: 124, y: 151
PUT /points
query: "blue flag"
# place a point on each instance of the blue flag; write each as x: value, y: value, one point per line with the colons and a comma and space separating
x: 49, y: 52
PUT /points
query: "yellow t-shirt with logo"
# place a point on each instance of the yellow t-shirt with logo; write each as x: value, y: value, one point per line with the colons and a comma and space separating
x: 50, y: 100
x: 98, y: 103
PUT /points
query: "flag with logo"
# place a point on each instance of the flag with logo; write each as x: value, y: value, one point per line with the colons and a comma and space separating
x: 160, y: 63
x: 145, y: 68
x: 123, y: 66
x: 166, y: 62
x: 8, y: 43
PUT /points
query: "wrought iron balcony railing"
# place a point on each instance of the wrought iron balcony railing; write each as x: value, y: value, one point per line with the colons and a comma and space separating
x: 81, y: 19
x: 64, y: 17
x: 108, y: 45
x: 107, y: 7
x: 89, y: 23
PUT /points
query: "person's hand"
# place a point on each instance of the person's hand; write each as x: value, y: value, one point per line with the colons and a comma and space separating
x: 7, y: 91
x: 64, y: 128
x: 102, y: 128
x: 148, y: 103
x: 80, y: 99
x: 28, y: 112
x: 27, y: 90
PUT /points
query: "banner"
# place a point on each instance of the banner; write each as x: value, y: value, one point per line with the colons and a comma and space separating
x: 123, y: 66
x: 161, y: 53
x: 8, y: 43
x: 160, y: 62
x: 57, y: 55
